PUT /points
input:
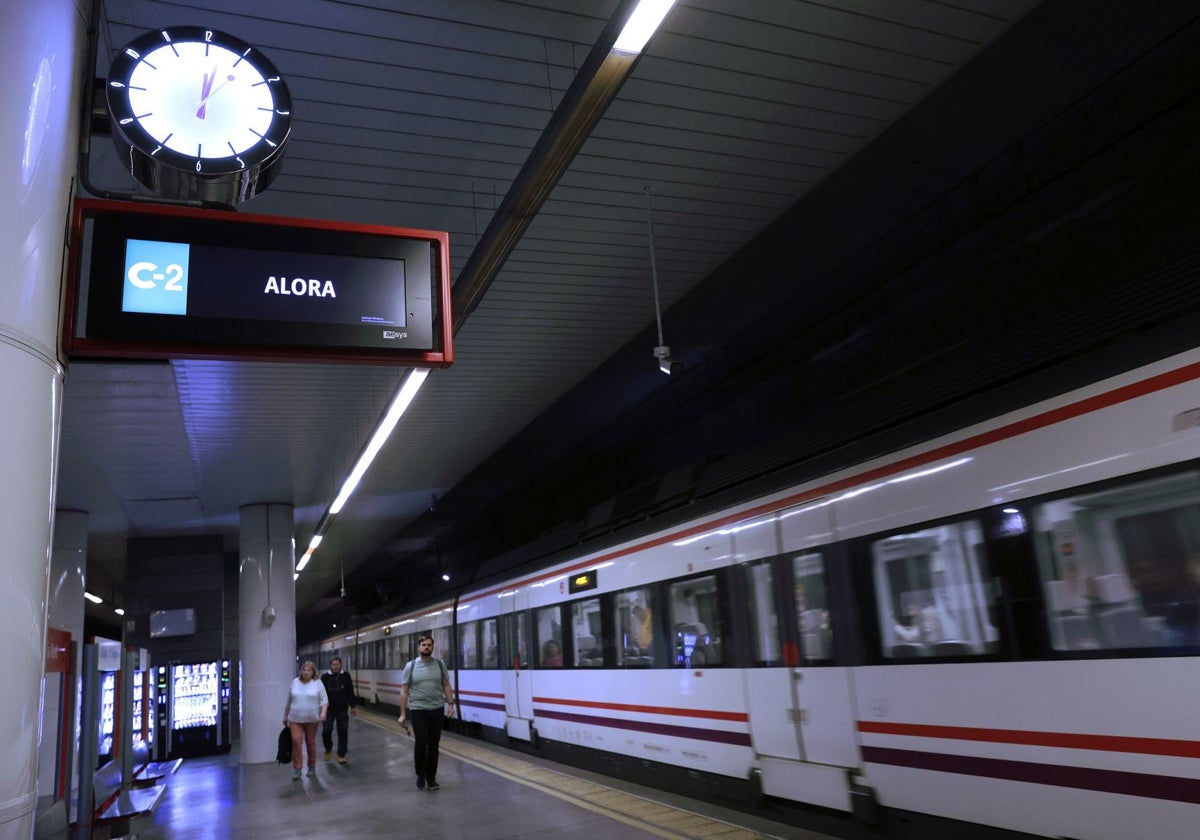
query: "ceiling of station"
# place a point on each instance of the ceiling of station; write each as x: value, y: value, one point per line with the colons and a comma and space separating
x: 421, y: 114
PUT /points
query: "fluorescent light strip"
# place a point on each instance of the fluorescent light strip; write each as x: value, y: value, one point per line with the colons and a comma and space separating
x: 643, y: 23
x: 405, y: 396
x: 93, y: 598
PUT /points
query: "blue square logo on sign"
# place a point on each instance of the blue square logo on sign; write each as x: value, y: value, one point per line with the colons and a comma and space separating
x: 156, y: 277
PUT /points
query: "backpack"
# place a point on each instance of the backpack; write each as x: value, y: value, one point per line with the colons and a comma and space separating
x: 408, y: 672
x: 284, y: 754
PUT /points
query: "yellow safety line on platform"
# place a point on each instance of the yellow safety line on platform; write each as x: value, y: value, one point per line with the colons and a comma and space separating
x: 662, y: 820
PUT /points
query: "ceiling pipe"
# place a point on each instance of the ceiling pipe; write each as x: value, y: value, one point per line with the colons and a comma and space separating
x: 594, y: 88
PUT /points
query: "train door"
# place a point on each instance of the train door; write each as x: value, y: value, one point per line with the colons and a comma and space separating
x: 518, y: 687
x: 802, y: 713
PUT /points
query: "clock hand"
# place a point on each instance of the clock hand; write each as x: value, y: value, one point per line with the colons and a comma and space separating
x: 210, y: 94
x: 209, y: 78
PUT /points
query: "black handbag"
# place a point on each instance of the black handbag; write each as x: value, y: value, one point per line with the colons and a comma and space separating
x: 284, y: 754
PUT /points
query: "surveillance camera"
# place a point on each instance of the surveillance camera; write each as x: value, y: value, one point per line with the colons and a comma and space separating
x: 665, y: 363
x: 268, y: 615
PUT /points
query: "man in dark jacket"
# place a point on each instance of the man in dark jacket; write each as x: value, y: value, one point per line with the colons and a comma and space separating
x: 340, y: 689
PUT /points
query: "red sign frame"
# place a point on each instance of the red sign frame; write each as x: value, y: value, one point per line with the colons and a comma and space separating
x: 82, y: 346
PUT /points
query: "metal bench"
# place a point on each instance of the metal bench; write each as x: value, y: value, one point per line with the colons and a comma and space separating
x: 147, y: 772
x: 116, y: 804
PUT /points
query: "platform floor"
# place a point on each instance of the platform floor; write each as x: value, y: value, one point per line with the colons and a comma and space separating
x: 487, y: 793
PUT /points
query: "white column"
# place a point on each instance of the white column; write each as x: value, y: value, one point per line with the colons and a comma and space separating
x: 267, y: 611
x: 68, y: 577
x: 41, y: 50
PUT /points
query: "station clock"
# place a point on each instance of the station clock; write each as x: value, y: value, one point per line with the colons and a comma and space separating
x: 198, y: 114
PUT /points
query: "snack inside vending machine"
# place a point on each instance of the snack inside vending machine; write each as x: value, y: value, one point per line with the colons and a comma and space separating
x: 108, y: 654
x: 142, y: 724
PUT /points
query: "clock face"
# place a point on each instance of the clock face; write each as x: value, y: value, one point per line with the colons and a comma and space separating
x: 197, y: 108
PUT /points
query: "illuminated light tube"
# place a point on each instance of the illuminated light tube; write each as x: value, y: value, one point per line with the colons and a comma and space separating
x: 314, y: 542
x: 119, y: 611
x: 643, y: 23
x: 304, y: 560
x: 404, y: 397
x: 95, y: 599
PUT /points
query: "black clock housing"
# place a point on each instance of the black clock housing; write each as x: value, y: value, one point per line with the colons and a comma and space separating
x: 225, y: 178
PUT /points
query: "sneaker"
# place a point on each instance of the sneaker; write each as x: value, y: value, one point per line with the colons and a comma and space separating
x: 341, y: 759
x: 328, y: 754
x: 420, y: 783
x: 295, y: 774
x: 312, y: 772
x: 433, y: 786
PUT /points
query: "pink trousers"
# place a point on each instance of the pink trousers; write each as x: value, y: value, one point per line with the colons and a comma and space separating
x: 304, y: 734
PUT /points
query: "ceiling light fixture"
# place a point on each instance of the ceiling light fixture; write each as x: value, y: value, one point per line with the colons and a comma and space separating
x: 405, y: 394
x: 591, y: 92
x: 404, y: 397
x: 643, y: 23
x: 95, y: 599
x: 595, y: 86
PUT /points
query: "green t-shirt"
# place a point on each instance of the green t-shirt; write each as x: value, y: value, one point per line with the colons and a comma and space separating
x: 424, y: 681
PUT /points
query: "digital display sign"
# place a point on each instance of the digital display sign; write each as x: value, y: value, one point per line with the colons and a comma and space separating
x: 171, y: 282
x: 581, y: 582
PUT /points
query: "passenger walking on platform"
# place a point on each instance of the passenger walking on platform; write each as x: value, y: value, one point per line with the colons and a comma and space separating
x: 340, y: 689
x: 306, y: 707
x: 425, y: 691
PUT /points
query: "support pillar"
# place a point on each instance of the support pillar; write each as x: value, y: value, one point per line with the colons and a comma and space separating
x: 41, y: 53
x: 267, y: 610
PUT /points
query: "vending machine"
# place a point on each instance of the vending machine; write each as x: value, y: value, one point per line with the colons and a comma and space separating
x: 108, y: 715
x: 161, y: 724
x: 108, y: 652
x: 199, y: 713
x: 144, y: 697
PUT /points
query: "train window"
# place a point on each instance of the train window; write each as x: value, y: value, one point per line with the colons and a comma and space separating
x: 442, y: 648
x: 468, y: 645
x: 1120, y: 566
x: 931, y: 594
x: 490, y: 643
x: 549, y: 636
x: 588, y: 637
x: 635, y: 628
x: 522, y: 655
x: 763, y: 615
x: 695, y: 622
x: 392, y: 654
x: 812, y: 607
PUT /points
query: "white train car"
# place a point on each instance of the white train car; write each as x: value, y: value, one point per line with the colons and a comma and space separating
x: 998, y: 627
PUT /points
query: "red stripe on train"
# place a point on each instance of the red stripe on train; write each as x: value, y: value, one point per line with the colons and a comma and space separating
x: 1066, y: 740
x: 706, y: 714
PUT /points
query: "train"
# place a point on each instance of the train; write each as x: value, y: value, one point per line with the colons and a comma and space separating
x: 994, y: 628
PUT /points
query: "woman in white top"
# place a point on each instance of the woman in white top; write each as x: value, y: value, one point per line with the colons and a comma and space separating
x: 305, y: 711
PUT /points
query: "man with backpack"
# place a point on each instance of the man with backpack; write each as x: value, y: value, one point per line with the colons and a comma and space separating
x: 425, y: 694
